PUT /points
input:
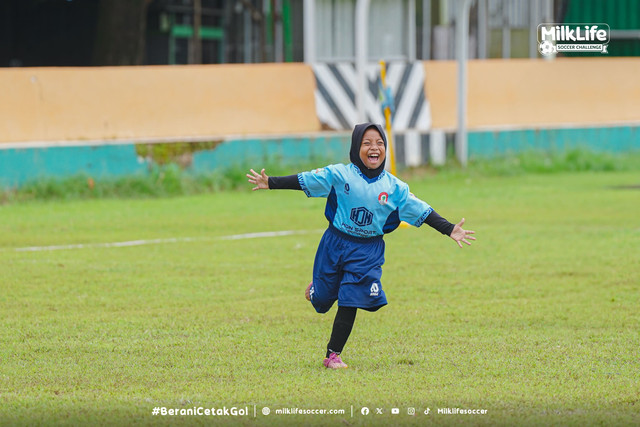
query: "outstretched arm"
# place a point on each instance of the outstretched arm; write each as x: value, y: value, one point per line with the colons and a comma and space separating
x: 459, y: 234
x: 264, y: 182
x: 260, y: 180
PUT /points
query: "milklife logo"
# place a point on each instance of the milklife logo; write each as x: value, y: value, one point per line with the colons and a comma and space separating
x: 557, y: 38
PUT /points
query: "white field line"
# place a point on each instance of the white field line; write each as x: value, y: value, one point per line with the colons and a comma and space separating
x: 130, y: 243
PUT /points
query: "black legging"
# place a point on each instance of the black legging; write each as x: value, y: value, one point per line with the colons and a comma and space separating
x: 342, y: 326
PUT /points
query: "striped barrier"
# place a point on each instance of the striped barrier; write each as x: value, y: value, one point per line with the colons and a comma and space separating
x: 336, y: 100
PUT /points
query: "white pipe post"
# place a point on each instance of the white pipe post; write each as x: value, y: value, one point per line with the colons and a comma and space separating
x: 547, y: 19
x: 411, y: 31
x: 462, y: 47
x: 533, y: 27
x: 309, y: 25
x: 362, y: 37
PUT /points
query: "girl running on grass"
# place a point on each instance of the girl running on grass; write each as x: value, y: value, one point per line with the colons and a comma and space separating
x: 364, y: 202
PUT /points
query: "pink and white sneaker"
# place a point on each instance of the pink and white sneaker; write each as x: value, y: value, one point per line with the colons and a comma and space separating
x: 334, y: 362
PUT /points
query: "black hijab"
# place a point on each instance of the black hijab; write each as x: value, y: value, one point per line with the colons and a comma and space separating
x: 356, y: 141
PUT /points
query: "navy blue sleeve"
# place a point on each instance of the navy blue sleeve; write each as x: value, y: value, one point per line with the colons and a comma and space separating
x: 289, y: 182
x: 442, y: 225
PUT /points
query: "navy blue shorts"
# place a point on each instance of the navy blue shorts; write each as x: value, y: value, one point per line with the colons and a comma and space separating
x: 348, y: 269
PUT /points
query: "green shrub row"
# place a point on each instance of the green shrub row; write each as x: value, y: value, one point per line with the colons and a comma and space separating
x: 171, y: 180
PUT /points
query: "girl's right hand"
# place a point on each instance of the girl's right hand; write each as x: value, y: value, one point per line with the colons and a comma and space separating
x: 260, y: 180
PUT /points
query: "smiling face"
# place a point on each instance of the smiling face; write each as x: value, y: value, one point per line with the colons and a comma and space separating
x: 372, y: 150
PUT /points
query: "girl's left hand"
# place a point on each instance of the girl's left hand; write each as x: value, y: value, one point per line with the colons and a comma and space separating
x: 459, y: 234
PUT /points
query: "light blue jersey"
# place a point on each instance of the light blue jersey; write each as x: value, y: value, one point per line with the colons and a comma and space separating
x: 363, y: 207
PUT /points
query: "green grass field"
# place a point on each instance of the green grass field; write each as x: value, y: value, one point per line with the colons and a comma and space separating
x: 537, y: 322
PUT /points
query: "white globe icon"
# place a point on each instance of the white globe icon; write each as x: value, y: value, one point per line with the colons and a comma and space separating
x: 547, y: 48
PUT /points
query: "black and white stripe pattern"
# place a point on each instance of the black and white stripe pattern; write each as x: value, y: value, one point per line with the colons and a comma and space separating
x: 336, y: 100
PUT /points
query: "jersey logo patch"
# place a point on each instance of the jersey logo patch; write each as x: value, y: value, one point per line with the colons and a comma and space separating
x: 375, y: 290
x: 346, y: 188
x: 361, y: 216
x: 383, y: 198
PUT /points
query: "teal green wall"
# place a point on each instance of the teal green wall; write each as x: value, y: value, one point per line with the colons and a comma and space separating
x: 21, y: 165
x: 611, y: 139
x: 18, y: 166
x: 284, y: 151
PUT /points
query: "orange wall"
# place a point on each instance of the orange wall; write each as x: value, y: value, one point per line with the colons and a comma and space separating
x: 48, y: 104
x: 214, y: 101
x: 537, y: 92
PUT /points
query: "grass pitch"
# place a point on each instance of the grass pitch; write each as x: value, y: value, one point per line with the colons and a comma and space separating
x: 537, y: 322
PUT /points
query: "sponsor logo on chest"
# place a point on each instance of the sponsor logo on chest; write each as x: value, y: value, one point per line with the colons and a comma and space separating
x: 361, y: 216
